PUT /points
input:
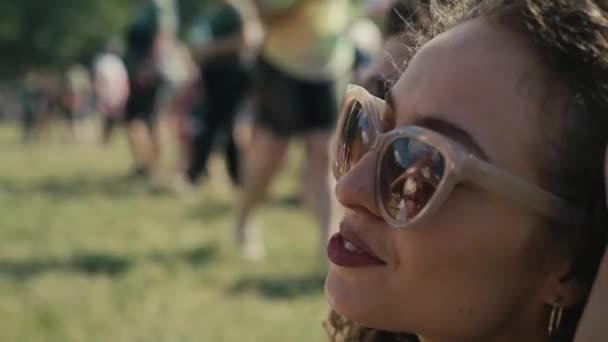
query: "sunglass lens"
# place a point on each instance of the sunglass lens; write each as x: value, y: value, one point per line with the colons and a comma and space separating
x: 410, y: 172
x: 353, y: 139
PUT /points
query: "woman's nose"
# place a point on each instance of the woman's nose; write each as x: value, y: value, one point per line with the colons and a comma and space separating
x: 355, y: 190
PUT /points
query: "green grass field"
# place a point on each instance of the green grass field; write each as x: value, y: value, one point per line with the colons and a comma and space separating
x: 87, y: 256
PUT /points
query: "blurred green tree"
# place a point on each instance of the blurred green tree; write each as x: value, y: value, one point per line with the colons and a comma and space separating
x: 53, y: 34
x: 36, y: 33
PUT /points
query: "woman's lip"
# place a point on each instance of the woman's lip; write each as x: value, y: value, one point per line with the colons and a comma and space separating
x: 349, y: 235
x: 339, y: 255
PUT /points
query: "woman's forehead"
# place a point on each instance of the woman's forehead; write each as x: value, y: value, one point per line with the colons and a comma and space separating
x: 472, y: 76
x: 474, y: 47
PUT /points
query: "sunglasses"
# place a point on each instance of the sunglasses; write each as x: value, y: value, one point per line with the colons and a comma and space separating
x: 417, y: 168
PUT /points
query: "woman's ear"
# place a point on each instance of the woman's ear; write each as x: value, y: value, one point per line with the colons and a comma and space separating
x: 592, y: 326
x: 561, y: 289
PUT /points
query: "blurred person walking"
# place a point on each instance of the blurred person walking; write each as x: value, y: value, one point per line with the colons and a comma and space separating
x: 35, y: 101
x: 184, y: 80
x: 217, y: 41
x: 111, y: 85
x: 407, y: 16
x: 77, y: 92
x: 175, y: 64
x: 304, y: 66
x: 367, y: 39
x: 404, y: 20
x: 142, y: 61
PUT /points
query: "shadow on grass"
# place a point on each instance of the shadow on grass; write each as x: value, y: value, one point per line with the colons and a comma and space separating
x: 101, y: 263
x: 91, y: 264
x: 211, y: 209
x: 281, y: 287
x: 196, y: 257
x: 285, y: 201
x: 60, y: 188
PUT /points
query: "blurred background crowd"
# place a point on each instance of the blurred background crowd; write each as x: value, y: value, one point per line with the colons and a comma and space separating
x: 236, y: 78
x: 239, y: 77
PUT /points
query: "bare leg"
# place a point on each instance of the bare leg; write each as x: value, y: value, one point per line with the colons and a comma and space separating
x: 107, y: 128
x: 260, y: 164
x: 142, y: 146
x: 154, y: 134
x: 315, y: 181
x: 69, y: 134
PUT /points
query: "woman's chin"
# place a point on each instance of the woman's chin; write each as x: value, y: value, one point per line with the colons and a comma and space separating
x: 344, y: 299
x: 361, y: 300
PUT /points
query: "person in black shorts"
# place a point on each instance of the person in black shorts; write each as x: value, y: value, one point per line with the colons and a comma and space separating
x: 143, y: 89
x: 289, y: 106
x: 300, y: 77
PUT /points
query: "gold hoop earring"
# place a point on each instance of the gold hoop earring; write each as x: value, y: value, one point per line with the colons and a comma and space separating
x: 555, y: 319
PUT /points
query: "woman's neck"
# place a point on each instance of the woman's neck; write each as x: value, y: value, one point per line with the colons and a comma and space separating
x: 502, y: 338
x: 511, y: 332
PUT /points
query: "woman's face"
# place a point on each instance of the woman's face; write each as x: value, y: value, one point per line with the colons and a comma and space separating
x: 479, y: 265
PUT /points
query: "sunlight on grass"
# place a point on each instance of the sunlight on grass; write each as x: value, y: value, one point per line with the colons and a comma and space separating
x: 88, y: 256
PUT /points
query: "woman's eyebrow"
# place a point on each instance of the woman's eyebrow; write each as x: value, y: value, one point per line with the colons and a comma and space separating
x: 444, y: 127
x: 454, y: 132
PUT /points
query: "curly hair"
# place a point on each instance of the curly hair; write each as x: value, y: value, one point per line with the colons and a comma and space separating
x: 406, y: 16
x: 571, y: 39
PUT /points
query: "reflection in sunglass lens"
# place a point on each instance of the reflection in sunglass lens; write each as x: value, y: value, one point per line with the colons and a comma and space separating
x: 353, y: 138
x: 410, y: 172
